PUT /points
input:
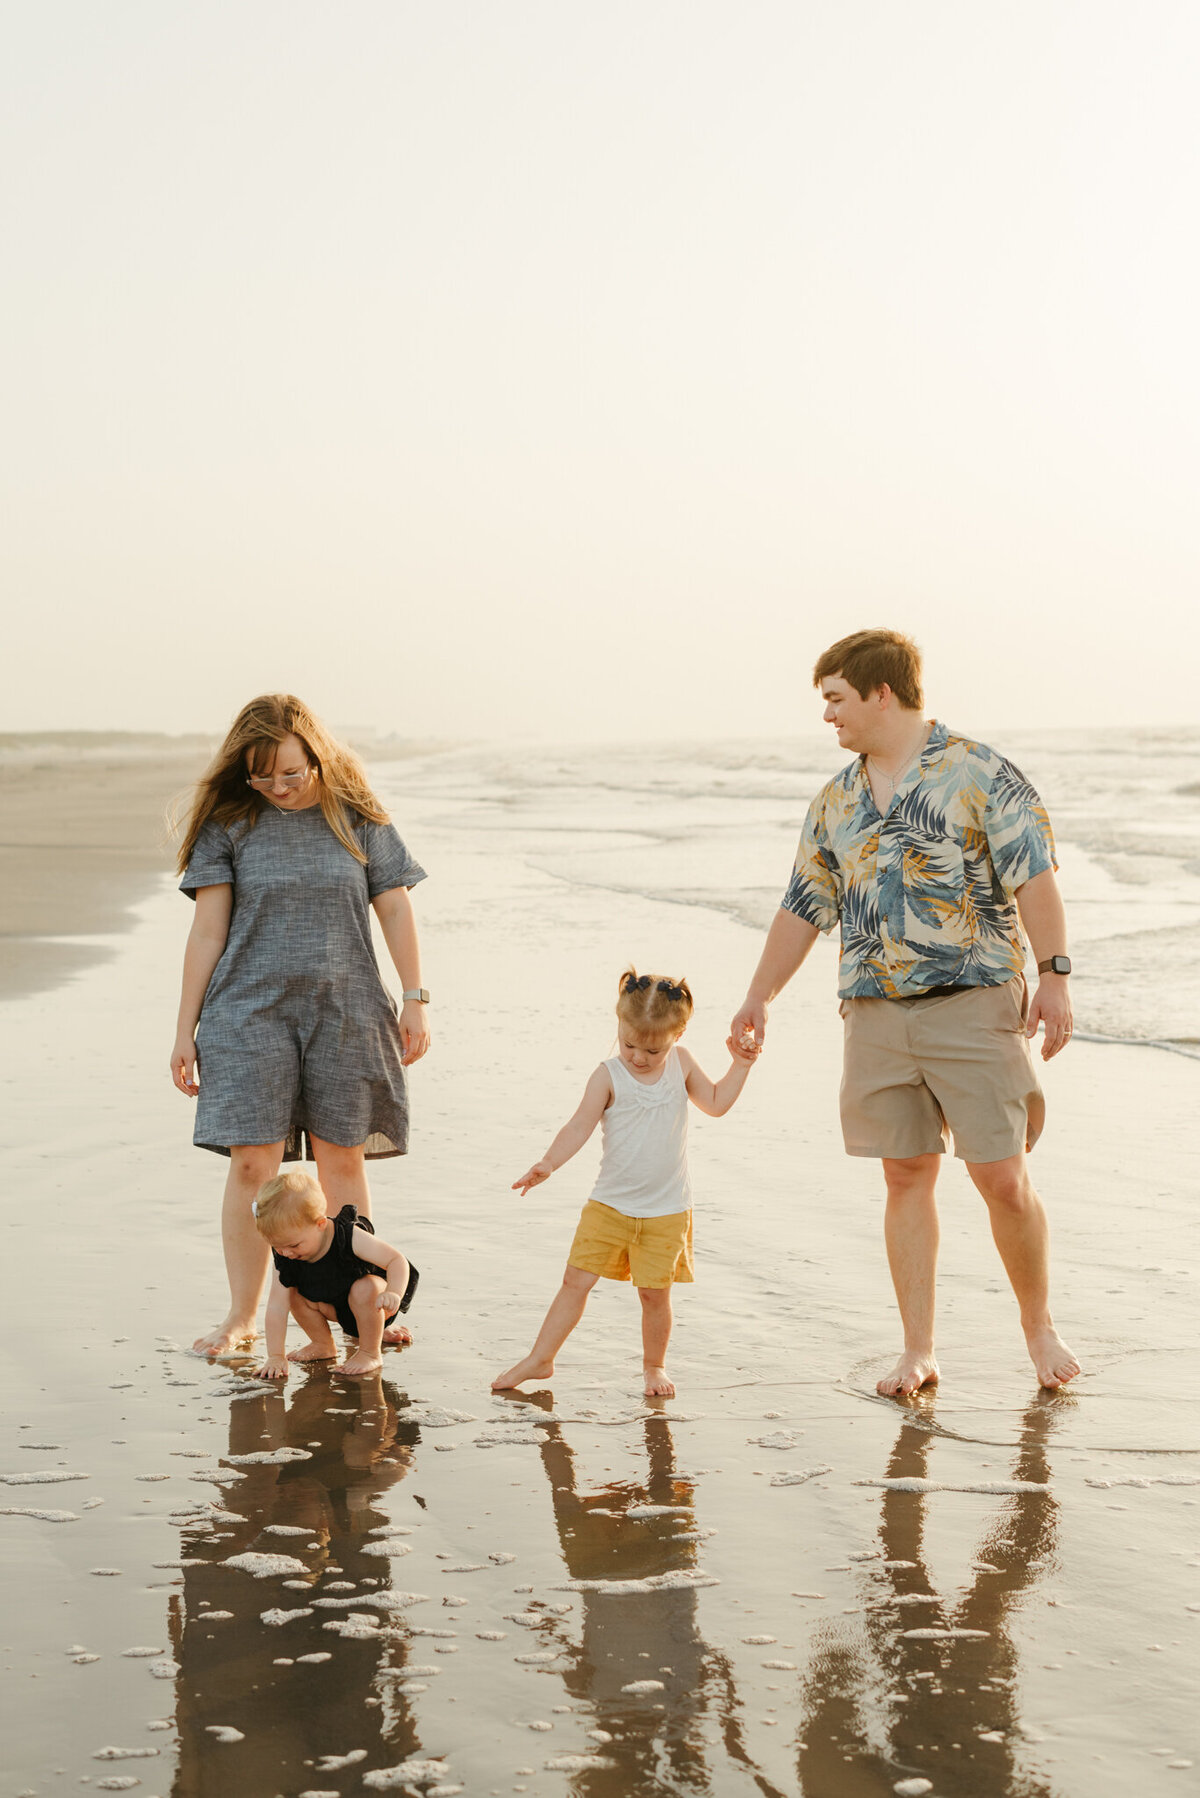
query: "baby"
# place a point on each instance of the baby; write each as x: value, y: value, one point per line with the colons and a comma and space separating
x: 327, y: 1268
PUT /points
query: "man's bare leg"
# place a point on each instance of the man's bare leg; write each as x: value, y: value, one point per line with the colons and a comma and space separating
x: 1021, y: 1234
x: 910, y: 1229
x: 564, y: 1313
x: 246, y: 1253
x: 656, y: 1334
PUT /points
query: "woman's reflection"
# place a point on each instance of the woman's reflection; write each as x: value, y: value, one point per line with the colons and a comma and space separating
x: 898, y: 1705
x: 251, y: 1676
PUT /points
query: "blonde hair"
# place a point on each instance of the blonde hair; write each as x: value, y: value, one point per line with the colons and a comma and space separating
x: 653, y: 1004
x: 286, y: 1202
x: 221, y: 795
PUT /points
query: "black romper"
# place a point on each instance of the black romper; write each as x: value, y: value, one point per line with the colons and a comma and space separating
x: 328, y: 1281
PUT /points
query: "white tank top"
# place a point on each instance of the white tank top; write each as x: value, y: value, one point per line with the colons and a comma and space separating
x: 643, y: 1169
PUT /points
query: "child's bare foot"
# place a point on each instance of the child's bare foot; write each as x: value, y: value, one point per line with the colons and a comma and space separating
x: 315, y: 1351
x: 1050, y: 1355
x: 528, y: 1369
x: 656, y: 1384
x: 397, y: 1336
x: 361, y: 1362
x: 911, y: 1372
x: 225, y: 1338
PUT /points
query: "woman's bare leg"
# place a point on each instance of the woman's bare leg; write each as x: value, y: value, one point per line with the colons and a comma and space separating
x: 246, y: 1253
x: 564, y: 1313
x: 313, y: 1319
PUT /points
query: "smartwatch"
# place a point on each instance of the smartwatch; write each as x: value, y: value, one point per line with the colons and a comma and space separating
x: 422, y: 992
x: 1057, y: 964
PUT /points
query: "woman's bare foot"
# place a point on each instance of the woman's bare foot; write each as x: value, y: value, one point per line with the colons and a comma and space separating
x: 397, y: 1336
x: 656, y: 1384
x: 1051, y: 1357
x: 226, y: 1338
x: 911, y: 1372
x: 360, y: 1362
x: 315, y: 1351
x: 528, y: 1369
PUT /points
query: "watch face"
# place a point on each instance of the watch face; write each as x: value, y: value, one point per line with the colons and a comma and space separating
x: 1060, y: 964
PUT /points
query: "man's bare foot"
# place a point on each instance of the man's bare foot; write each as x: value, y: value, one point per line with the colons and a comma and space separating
x: 656, y: 1384
x: 361, y: 1362
x: 528, y: 1369
x: 911, y: 1372
x: 315, y: 1351
x: 1051, y: 1357
x: 397, y: 1336
x: 225, y: 1338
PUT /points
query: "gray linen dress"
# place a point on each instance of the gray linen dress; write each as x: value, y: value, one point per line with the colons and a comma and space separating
x: 298, y: 1033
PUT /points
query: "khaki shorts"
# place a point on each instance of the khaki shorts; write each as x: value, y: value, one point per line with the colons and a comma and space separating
x: 650, y: 1251
x: 918, y: 1071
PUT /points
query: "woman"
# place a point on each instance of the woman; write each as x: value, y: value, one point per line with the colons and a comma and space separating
x: 286, y: 850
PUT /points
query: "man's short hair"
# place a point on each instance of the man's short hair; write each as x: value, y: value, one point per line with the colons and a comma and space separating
x: 871, y: 659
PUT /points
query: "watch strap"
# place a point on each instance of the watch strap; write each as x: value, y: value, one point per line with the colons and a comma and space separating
x: 1055, y: 964
x: 420, y: 993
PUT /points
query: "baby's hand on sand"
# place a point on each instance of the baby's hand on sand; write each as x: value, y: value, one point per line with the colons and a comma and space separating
x: 541, y: 1170
x: 183, y: 1066
x: 275, y: 1367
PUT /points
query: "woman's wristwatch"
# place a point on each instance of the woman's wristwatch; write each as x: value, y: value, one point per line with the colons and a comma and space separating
x: 420, y: 993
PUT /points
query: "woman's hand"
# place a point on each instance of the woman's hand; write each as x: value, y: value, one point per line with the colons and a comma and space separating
x: 541, y: 1170
x: 275, y: 1367
x: 183, y: 1066
x: 414, y: 1031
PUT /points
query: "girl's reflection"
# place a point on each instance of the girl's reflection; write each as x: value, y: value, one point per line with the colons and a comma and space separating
x: 896, y: 1705
x: 291, y: 1715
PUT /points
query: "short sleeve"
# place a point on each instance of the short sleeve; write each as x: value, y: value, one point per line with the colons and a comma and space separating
x: 1019, y: 838
x: 388, y: 862
x: 813, y: 892
x: 211, y: 863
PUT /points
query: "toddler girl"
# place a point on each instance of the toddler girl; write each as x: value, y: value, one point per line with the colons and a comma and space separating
x: 327, y: 1268
x: 637, y: 1225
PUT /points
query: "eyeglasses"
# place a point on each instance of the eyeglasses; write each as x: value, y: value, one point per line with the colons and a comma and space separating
x: 263, y: 783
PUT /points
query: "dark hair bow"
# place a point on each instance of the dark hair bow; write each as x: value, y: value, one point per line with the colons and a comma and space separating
x: 672, y: 992
x: 636, y: 983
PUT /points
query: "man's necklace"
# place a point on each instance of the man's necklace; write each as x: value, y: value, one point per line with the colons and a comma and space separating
x: 907, y: 763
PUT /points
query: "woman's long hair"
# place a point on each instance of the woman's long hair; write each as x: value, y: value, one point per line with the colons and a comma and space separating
x: 221, y: 795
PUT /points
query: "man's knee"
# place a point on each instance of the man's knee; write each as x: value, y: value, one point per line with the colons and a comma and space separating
x: 913, y: 1176
x: 1005, y: 1185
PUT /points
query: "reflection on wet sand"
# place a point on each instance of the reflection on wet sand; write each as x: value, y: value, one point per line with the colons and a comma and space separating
x: 245, y: 1674
x: 895, y: 1706
x: 686, y: 1736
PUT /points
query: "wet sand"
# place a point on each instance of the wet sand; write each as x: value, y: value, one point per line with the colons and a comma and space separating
x: 775, y: 1583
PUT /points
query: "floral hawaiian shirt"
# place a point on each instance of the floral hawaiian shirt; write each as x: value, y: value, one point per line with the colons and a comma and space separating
x: 925, y: 892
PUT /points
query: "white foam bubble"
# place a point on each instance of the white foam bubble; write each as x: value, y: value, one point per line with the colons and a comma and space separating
x: 797, y: 1476
x: 637, y: 1687
x: 265, y: 1566
x: 41, y: 1516
x: 224, y: 1732
x: 386, y: 1779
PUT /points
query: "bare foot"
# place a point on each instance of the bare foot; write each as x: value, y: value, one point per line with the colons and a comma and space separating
x: 911, y: 1372
x: 224, y: 1338
x: 1051, y: 1357
x: 528, y: 1369
x: 397, y: 1336
x: 656, y: 1384
x: 360, y: 1362
x: 315, y: 1351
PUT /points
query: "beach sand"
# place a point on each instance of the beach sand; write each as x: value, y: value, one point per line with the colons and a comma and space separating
x: 776, y: 1583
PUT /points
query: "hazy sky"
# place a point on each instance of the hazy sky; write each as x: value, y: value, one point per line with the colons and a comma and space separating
x: 555, y: 368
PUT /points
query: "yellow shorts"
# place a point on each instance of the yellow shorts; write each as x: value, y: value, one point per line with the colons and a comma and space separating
x: 651, y: 1251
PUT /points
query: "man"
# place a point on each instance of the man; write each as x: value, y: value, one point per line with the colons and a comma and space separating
x: 932, y: 852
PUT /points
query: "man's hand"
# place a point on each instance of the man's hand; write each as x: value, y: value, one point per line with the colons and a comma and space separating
x: 275, y: 1367
x: 1051, y: 1007
x: 750, y: 1023
x: 541, y: 1170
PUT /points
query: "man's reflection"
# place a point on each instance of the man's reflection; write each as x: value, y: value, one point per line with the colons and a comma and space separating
x: 679, y: 1739
x: 291, y: 1715
x: 944, y: 1707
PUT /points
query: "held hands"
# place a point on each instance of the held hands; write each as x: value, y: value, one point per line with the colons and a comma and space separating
x: 183, y: 1066
x: 541, y: 1170
x: 750, y: 1022
x: 275, y: 1367
x: 414, y: 1031
x: 744, y: 1048
x: 1051, y: 1007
